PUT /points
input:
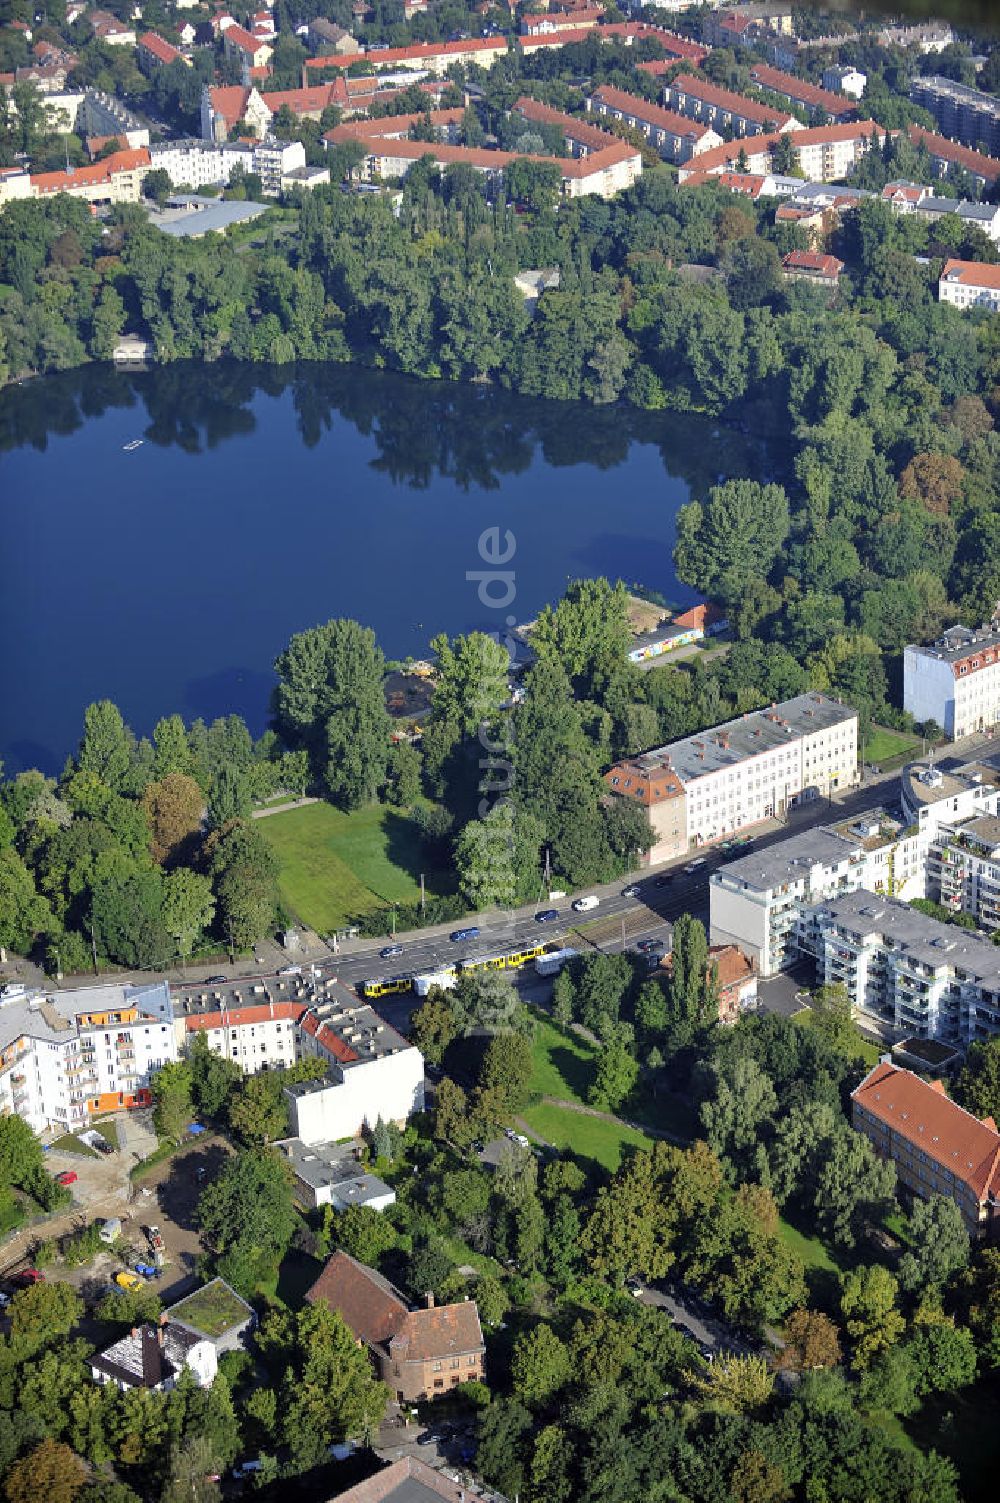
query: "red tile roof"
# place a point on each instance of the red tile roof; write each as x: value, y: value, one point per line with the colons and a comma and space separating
x: 327, y: 1037
x: 642, y: 786
x: 813, y: 261
x: 678, y: 48
x: 241, y: 39
x: 370, y: 1305
x: 950, y: 151
x: 572, y: 126
x: 389, y: 126
x: 567, y: 38
x: 725, y: 99
x: 240, y: 1017
x: 800, y: 90
x: 159, y: 47
x: 303, y: 101
x: 410, y: 1478
x: 92, y: 176
x: 924, y: 1116
x: 443, y: 1331
x: 653, y: 114
x: 971, y: 274
x: 704, y: 615
x: 229, y: 101
x: 445, y: 154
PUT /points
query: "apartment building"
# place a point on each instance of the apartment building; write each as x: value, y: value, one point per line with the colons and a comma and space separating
x: 948, y: 157
x: 905, y: 972
x: 936, y: 1146
x: 698, y: 99
x: 841, y: 79
x: 708, y: 786
x: 964, y: 114
x: 580, y: 137
x: 823, y: 153
x: 372, y: 1072
x: 67, y: 1055
x: 970, y: 284
x: 800, y: 91
x: 956, y: 680
x: 964, y: 869
x: 675, y: 137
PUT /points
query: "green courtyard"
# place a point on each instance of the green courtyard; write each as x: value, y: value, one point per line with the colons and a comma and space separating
x: 335, y: 866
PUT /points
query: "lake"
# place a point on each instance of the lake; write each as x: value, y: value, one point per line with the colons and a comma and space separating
x: 266, y: 500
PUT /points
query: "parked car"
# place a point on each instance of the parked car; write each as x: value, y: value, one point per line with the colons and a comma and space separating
x: 389, y: 951
x: 693, y: 866
x: 664, y: 879
x: 128, y: 1280
x: 631, y: 891
x: 27, y: 1277
x: 428, y: 1438
x: 67, y: 1177
x: 650, y: 946
x: 546, y: 915
x: 457, y: 935
x: 216, y: 980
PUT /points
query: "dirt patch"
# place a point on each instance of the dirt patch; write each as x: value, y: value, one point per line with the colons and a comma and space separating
x: 169, y: 1195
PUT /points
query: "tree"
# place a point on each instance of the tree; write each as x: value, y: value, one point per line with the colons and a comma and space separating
x: 246, y: 1217
x: 172, y: 1105
x: 978, y: 1086
x: 497, y: 857
x: 172, y: 753
x: 617, y: 1074
x: 188, y: 907
x: 329, y: 1392
x: 811, y: 1341
x: 42, y: 1313
x: 244, y: 872
x: 404, y: 767
x: 507, y: 1068
x: 735, y: 535
x: 935, y: 480
x: 126, y: 913
x: 491, y: 1300
x: 588, y: 631
x: 868, y: 1303
x: 540, y: 1365
x: 51, y: 1471
x: 854, y: 1189
x: 939, y: 1244
x: 191, y: 1475
x: 106, y: 747
x: 833, y: 1020
x: 231, y: 797
x: 258, y: 1111
x: 214, y: 1078
x: 453, y: 1122
x: 21, y: 1154
x: 434, y: 1025
x: 692, y: 990
x: 360, y: 1232
x: 738, y: 1384
x: 744, y: 1100
x: 24, y: 912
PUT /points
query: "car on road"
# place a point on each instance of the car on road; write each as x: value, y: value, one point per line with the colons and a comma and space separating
x: 664, y: 879
x: 428, y: 1438
x: 388, y: 952
x: 584, y: 905
x: 694, y: 865
x: 67, y: 1177
x: 216, y: 980
x: 546, y: 915
x: 290, y: 970
x: 631, y: 891
x: 457, y: 935
x: 27, y: 1277
x: 128, y: 1280
x: 650, y: 946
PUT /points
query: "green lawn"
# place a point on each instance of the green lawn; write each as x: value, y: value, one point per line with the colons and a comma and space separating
x: 69, y: 1143
x: 563, y: 1064
x: 335, y: 866
x: 882, y: 745
x: 810, y: 1249
x: 587, y: 1137
x: 867, y: 1051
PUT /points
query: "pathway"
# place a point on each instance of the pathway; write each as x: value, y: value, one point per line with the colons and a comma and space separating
x: 591, y: 1111
x: 295, y: 803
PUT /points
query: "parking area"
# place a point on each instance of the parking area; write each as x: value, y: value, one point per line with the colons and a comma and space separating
x: 692, y: 1316
x: 784, y: 994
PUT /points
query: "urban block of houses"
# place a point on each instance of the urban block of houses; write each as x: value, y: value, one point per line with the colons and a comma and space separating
x: 758, y: 901
x: 330, y: 1174
x: 963, y: 114
x: 153, y: 51
x: 699, y: 99
x: 675, y: 137
x: 200, y: 164
x: 108, y: 29
x: 550, y: 22
x: 905, y: 973
x: 948, y: 157
x: 580, y: 137
x: 938, y: 1148
x: 956, y: 680
x: 970, y: 284
x: 748, y: 25
x: 801, y: 92
x: 249, y: 51
x: 418, y: 1353
x: 964, y: 869
x: 822, y: 153
x: 428, y: 57
x: 326, y: 36
x: 446, y: 123
x: 690, y: 626
x: 709, y: 786
x: 154, y: 1356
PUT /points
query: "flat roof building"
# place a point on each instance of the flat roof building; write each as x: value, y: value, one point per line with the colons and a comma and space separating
x: 956, y: 680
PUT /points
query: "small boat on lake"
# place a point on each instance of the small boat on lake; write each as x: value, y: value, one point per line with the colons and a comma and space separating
x: 136, y: 443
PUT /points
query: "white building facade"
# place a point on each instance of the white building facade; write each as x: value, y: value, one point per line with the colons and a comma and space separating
x: 956, y: 681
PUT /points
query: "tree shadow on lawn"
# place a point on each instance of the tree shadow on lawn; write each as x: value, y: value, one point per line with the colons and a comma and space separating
x: 577, y: 1072
x: 407, y: 849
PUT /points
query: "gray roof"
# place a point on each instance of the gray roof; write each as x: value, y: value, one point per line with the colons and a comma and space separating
x: 985, y: 828
x: 950, y: 88
x: 190, y: 215
x: 320, y: 1165
x: 958, y: 641
x: 926, y: 783
x: 51, y: 1015
x: 750, y: 736
x: 964, y: 208
x: 787, y: 861
x: 137, y: 1359
x: 915, y: 935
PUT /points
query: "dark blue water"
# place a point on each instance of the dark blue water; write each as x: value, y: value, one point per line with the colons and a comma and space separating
x: 264, y: 501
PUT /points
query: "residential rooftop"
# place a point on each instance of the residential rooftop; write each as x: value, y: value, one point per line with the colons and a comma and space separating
x: 959, y: 642
x: 327, y: 1165
x: 927, y: 941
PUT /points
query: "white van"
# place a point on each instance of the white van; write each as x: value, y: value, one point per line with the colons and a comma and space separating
x: 584, y: 905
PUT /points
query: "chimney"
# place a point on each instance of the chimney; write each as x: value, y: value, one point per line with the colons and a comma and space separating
x: 429, y: 1296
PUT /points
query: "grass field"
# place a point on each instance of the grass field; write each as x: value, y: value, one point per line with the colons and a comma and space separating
x: 882, y: 745
x: 866, y: 1050
x: 810, y: 1249
x: 563, y: 1064
x: 70, y: 1143
x: 587, y: 1137
x: 335, y: 865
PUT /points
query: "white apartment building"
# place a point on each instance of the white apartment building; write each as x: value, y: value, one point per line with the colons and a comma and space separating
x: 68, y: 1055
x: 970, y: 284
x: 759, y: 901
x: 964, y: 869
x: 956, y: 681
x: 201, y: 164
x: 907, y: 973
x: 723, y: 780
x: 675, y: 137
x: 259, y: 1036
x: 841, y: 79
x: 372, y: 1072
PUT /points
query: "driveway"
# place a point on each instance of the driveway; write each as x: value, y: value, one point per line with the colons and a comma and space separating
x: 705, y: 1329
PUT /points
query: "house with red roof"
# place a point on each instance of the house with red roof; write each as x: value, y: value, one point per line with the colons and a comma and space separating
x: 699, y: 99
x: 676, y: 138
x: 938, y: 1148
x: 812, y: 266
x: 420, y: 1353
x: 225, y: 107
x: 116, y: 179
x: 248, y: 50
x: 970, y: 284
x: 948, y: 157
x: 153, y: 51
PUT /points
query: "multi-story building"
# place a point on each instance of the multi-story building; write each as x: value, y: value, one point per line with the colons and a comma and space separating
x: 970, y: 284
x: 200, y: 164
x: 800, y: 91
x: 154, y: 51
x: 841, y: 79
x: 948, y: 157
x: 956, y: 681
x: 67, y: 1055
x: 964, y: 869
x: 964, y: 114
x: 708, y: 786
x: 936, y: 1146
x: 822, y: 153
x: 675, y: 137
x: 698, y: 99
x: 906, y: 973
x: 372, y: 1072
x: 418, y: 1353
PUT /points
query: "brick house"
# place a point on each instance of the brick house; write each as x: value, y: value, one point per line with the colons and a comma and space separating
x: 418, y: 1353
x: 735, y: 977
x: 937, y: 1147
